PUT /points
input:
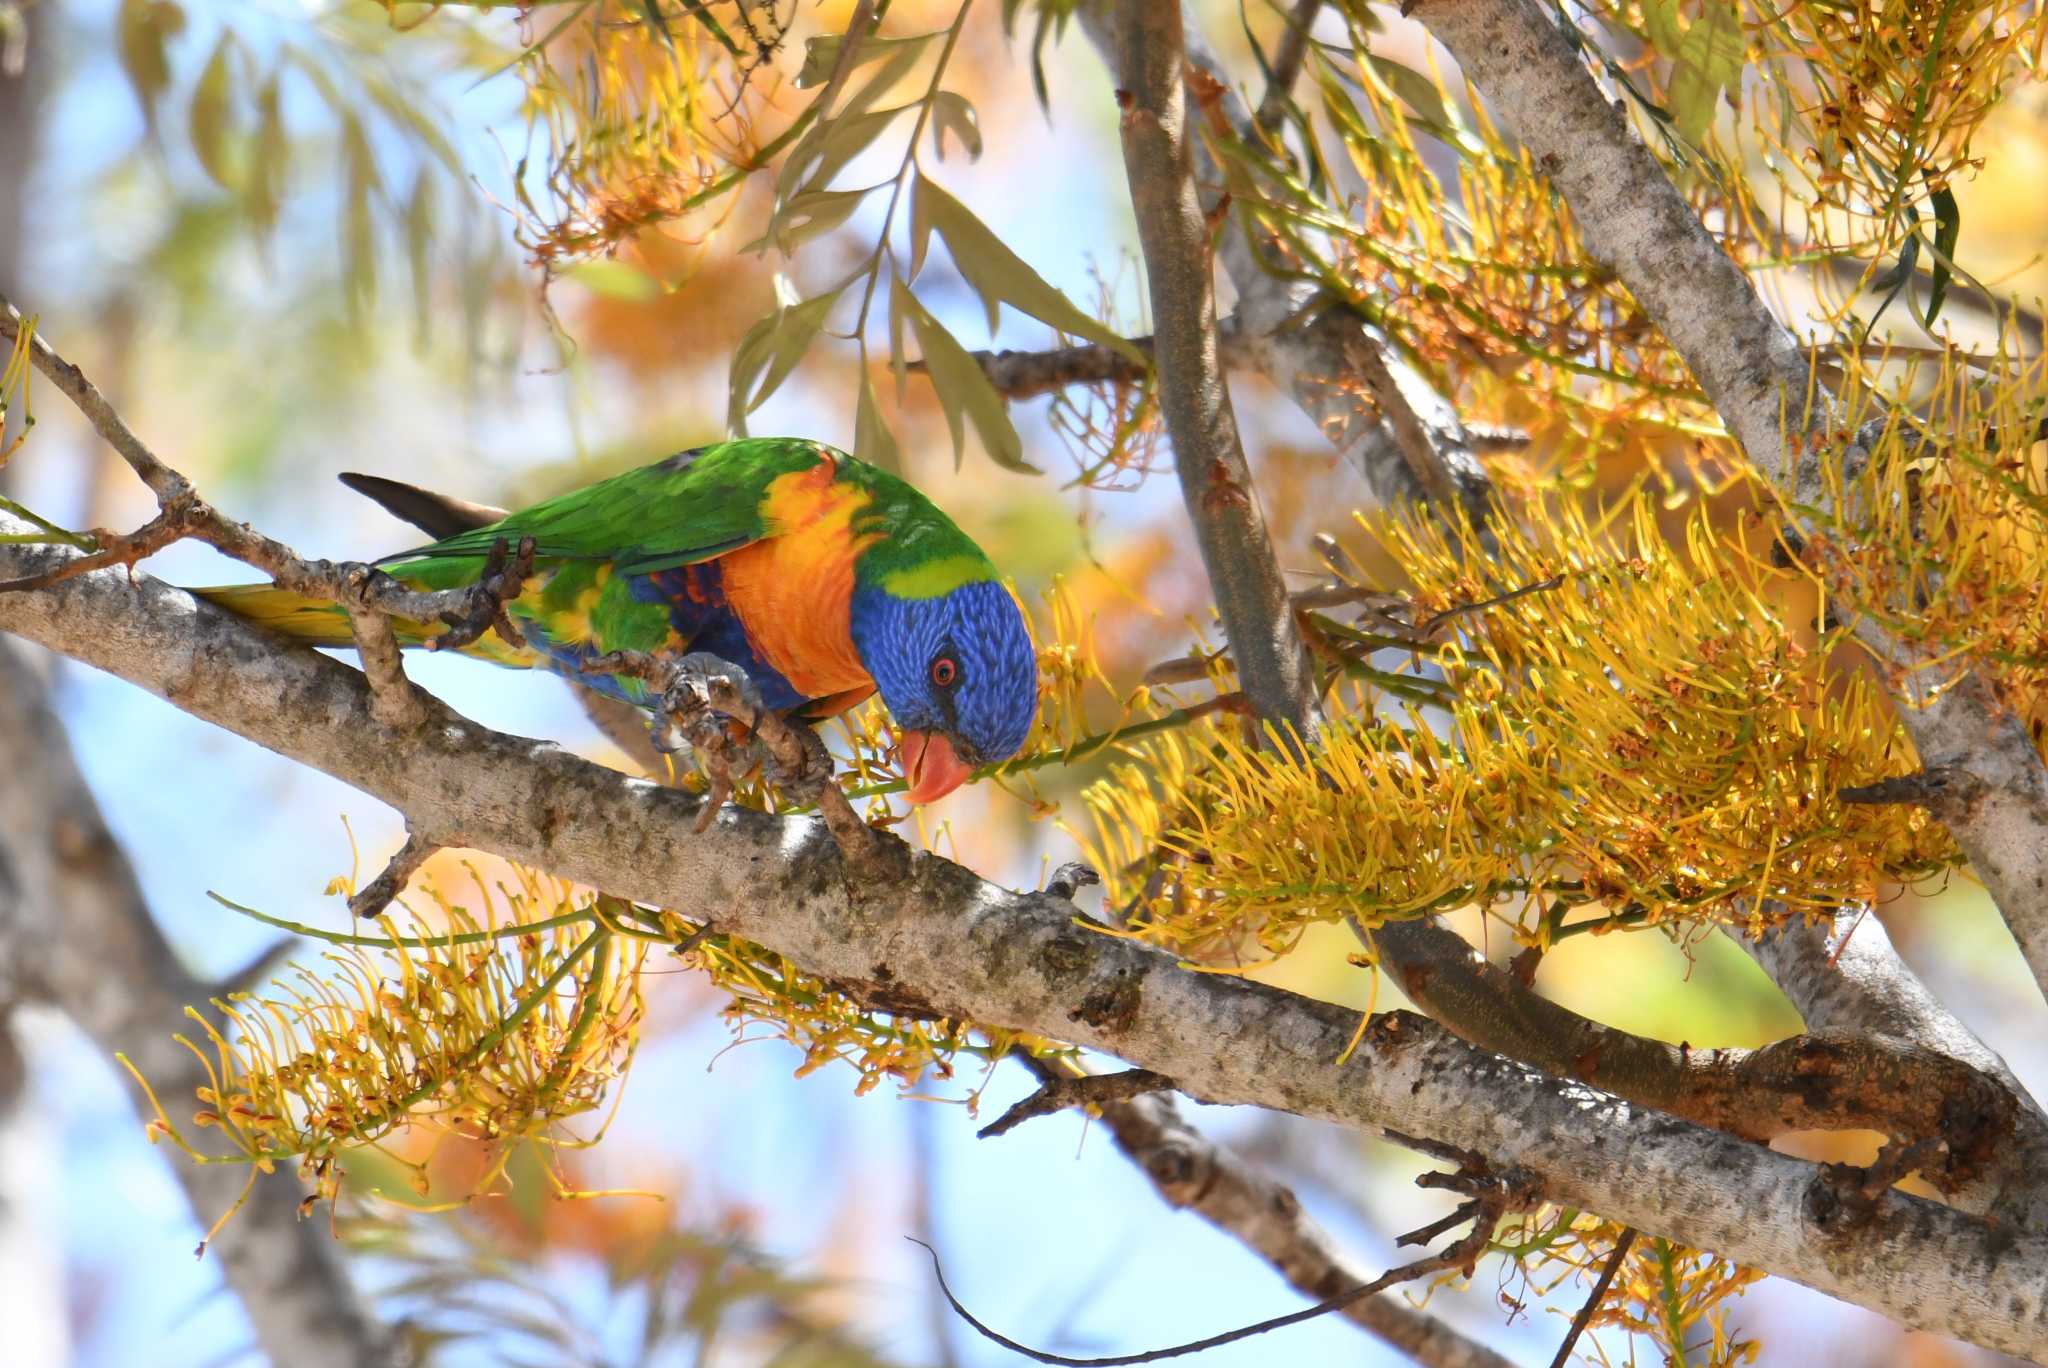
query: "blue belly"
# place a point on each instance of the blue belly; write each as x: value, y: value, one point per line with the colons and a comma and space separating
x: 702, y: 620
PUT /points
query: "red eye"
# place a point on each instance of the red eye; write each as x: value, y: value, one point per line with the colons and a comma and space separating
x: 944, y: 672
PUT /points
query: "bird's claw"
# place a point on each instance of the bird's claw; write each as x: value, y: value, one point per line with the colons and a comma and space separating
x: 702, y: 698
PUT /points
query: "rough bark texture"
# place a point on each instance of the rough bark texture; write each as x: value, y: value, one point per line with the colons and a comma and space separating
x: 81, y: 939
x: 1215, y: 481
x: 1909, y: 1088
x: 1635, y: 222
x: 934, y: 933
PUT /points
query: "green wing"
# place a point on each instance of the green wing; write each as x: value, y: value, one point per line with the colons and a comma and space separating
x: 692, y: 507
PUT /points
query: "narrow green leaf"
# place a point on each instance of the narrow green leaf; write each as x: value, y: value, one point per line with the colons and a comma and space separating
x: 1948, y: 228
x: 771, y: 350
x: 872, y: 440
x: 821, y: 55
x: 962, y: 388
x: 359, y: 183
x: 614, y: 279
x: 826, y: 150
x: 806, y: 216
x: 209, y: 115
x: 999, y: 274
x: 140, y: 31
x: 263, y: 190
x: 1415, y: 90
x: 952, y: 114
x: 1708, y: 62
x: 419, y: 240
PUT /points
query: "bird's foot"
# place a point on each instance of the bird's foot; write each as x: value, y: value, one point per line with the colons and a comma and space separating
x: 709, y: 707
x: 503, y: 579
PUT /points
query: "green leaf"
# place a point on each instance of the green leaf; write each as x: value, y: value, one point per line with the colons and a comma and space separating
x: 1708, y: 62
x: 962, y: 388
x: 141, y: 30
x: 821, y: 55
x: 772, y: 348
x: 1415, y: 90
x: 359, y: 242
x: 902, y: 55
x: 1948, y: 227
x: 872, y: 440
x: 999, y: 274
x: 614, y: 280
x: 699, y: 11
x: 952, y: 114
x: 209, y: 116
x: 419, y: 239
x: 263, y: 191
x: 826, y: 149
x: 808, y: 215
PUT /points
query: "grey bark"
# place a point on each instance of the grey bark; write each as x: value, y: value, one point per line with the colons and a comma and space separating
x: 1216, y: 484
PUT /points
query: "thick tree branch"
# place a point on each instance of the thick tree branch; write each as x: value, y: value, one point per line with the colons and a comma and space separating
x: 1854, y: 980
x: 83, y: 941
x: 1191, y: 1171
x: 1216, y: 483
x: 1636, y: 223
x: 935, y: 935
x: 1831, y: 1080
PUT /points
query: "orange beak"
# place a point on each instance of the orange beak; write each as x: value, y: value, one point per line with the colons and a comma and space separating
x: 931, y: 764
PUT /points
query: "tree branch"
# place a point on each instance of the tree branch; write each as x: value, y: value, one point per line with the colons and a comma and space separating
x: 1028, y: 374
x: 1636, y: 223
x: 940, y: 937
x: 1192, y: 1172
x: 1216, y: 483
x: 1837, y: 1081
x: 84, y: 942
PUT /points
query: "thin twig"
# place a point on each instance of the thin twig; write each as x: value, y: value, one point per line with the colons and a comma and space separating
x: 378, y: 894
x: 1086, y: 1090
x: 1287, y: 65
x: 1493, y: 1197
x: 1599, y: 1293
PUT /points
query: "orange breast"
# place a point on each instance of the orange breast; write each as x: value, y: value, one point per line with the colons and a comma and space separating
x: 793, y: 591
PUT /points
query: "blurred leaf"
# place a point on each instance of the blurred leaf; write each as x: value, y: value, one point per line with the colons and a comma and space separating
x: 1948, y: 227
x: 1415, y: 90
x: 359, y: 183
x: 999, y: 274
x: 963, y: 388
x: 771, y: 350
x: 1708, y: 62
x: 209, y: 117
x: 614, y: 279
x: 263, y: 190
x: 419, y: 237
x: 822, y: 54
x: 872, y: 440
x: 141, y: 30
x: 807, y: 215
x: 902, y: 55
x: 952, y: 113
x: 827, y: 149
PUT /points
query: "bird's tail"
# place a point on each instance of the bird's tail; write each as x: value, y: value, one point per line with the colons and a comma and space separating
x: 314, y: 623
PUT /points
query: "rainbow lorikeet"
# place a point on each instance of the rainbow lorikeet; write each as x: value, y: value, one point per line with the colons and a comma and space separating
x: 820, y: 576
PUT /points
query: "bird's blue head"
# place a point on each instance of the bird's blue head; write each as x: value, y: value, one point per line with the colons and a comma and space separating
x: 956, y: 670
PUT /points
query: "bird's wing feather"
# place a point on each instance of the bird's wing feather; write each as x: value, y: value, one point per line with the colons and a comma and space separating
x: 693, y: 507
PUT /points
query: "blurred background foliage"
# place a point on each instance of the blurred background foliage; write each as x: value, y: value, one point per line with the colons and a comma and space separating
x: 503, y: 251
